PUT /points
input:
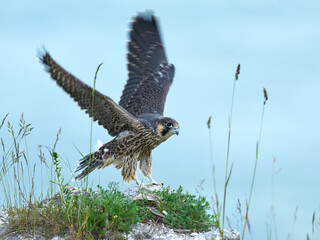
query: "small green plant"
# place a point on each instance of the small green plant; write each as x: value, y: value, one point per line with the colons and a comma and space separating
x: 103, y: 213
x: 57, y: 169
x: 185, y: 211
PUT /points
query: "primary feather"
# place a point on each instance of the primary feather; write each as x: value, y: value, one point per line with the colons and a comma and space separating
x: 150, y: 74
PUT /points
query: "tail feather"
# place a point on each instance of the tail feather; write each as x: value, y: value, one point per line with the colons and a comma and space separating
x: 87, y: 164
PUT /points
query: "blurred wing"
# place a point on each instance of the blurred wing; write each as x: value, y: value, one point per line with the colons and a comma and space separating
x: 150, y: 74
x: 108, y: 113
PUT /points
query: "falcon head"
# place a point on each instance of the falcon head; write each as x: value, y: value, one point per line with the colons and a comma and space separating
x: 166, y: 127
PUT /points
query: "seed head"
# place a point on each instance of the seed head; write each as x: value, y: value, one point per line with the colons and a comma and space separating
x: 238, y: 72
x: 265, y: 95
x: 209, y: 122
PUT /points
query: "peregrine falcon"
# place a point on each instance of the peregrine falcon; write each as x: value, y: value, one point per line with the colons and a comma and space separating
x: 137, y: 122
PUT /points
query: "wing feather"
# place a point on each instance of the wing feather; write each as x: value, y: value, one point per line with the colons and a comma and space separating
x: 109, y: 114
x: 150, y: 74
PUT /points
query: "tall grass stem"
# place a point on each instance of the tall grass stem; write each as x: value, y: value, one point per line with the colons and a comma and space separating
x: 92, y: 112
x: 226, y: 180
x: 255, y: 164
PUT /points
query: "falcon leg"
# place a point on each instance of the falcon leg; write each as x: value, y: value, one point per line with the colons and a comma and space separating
x: 151, y: 179
x: 145, y: 166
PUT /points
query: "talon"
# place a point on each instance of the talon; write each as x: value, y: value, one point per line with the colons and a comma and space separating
x: 157, y: 184
x: 154, y: 184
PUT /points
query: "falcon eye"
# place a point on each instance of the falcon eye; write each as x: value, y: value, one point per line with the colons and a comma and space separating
x: 169, y: 125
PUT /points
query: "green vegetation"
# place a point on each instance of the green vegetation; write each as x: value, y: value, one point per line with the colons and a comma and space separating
x: 185, y: 211
x: 104, y: 213
x: 111, y: 212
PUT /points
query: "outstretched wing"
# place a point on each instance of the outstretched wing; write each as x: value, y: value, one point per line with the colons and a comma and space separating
x: 103, y: 109
x: 150, y: 74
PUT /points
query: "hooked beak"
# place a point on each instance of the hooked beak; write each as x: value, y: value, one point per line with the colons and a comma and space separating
x: 175, y: 130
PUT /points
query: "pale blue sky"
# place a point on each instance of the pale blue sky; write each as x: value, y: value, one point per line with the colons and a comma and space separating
x: 277, y: 44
